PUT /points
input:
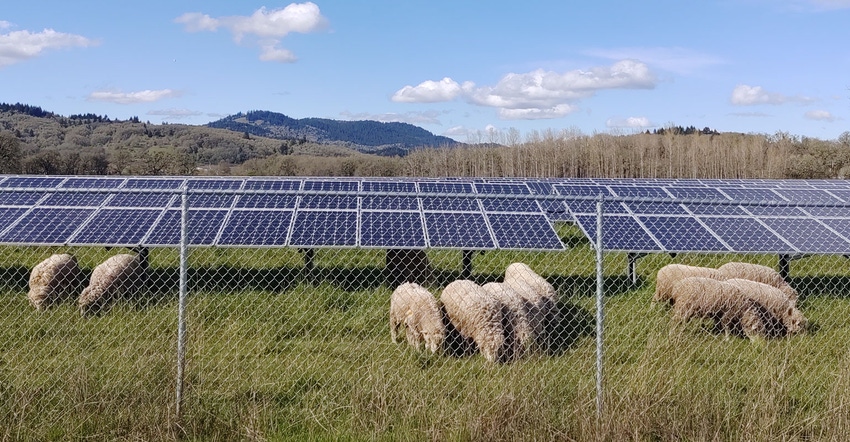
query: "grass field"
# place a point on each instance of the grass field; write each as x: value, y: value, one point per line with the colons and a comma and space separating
x: 279, y: 353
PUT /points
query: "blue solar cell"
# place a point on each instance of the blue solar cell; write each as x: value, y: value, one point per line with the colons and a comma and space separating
x: 391, y: 229
x: 840, y: 225
x: 117, y: 227
x: 808, y: 196
x: 9, y: 198
x: 844, y: 194
x: 681, y: 234
x: 656, y: 208
x: 46, y: 226
x: 556, y: 210
x: 589, y: 206
x: 808, y: 235
x: 154, y: 183
x: 219, y: 184
x: 328, y: 202
x: 783, y: 211
x: 266, y: 201
x: 31, y: 181
x: 131, y: 200
x: 705, y: 193
x: 272, y: 185
x: 510, y: 205
x: 315, y: 229
x: 520, y: 231
x: 582, y: 190
x: 640, y: 191
x: 712, y: 209
x: 8, y: 215
x: 450, y: 204
x: 502, y: 188
x: 619, y: 233
x: 458, y: 230
x: 751, y: 194
x: 389, y: 203
x: 332, y: 185
x: 92, y: 183
x: 541, y: 187
x: 445, y: 187
x: 389, y: 186
x: 203, y: 226
x: 256, y: 228
x: 843, y: 212
x: 746, y: 235
x: 75, y: 200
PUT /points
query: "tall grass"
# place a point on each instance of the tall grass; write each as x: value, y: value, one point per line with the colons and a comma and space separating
x: 278, y: 353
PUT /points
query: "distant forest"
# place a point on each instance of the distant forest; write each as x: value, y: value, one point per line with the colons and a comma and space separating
x: 36, y: 141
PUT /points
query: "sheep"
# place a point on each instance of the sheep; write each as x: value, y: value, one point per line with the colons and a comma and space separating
x: 404, y: 265
x: 523, y: 335
x: 670, y: 274
x: 116, y: 277
x: 415, y: 308
x: 541, y: 300
x: 758, y: 273
x: 53, y: 280
x: 789, y: 319
x: 722, y: 302
x: 477, y: 316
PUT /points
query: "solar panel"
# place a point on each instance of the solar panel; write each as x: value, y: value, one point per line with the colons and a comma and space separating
x: 392, y: 230
x: 257, y: 228
x: 324, y: 229
x: 117, y: 227
x: 458, y: 230
x: 46, y: 226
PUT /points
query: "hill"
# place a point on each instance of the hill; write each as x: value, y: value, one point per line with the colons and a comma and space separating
x: 364, y: 136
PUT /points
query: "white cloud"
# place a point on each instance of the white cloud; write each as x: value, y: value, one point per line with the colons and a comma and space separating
x: 174, y: 114
x: 429, y: 92
x: 745, y: 95
x: 427, y: 117
x: 18, y: 46
x: 630, y: 123
x: 456, y: 132
x: 145, y: 96
x: 820, y: 115
x: 674, y: 59
x: 268, y: 25
x: 537, y: 94
x: 5, y: 25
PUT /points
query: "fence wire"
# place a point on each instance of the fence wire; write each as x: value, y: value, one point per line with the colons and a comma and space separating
x: 346, y: 343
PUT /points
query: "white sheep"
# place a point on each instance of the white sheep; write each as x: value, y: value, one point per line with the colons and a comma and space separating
x: 758, y: 273
x: 53, y: 280
x: 116, y: 277
x: 722, y: 302
x: 790, y: 319
x: 670, y: 274
x: 541, y: 300
x: 520, y: 327
x: 415, y: 308
x: 478, y: 316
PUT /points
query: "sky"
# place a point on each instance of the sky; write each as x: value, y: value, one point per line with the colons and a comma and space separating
x: 469, y: 70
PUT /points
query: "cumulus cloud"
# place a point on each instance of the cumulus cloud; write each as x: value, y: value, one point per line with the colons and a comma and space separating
x: 534, y: 95
x: 427, y: 117
x: 746, y: 95
x: 145, y: 96
x: 429, y: 92
x: 17, y: 46
x: 674, y: 59
x: 4, y: 24
x: 630, y: 123
x: 820, y: 115
x: 174, y: 114
x: 268, y: 26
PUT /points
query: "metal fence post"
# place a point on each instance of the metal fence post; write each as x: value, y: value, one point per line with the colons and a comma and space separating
x: 600, y: 314
x: 181, y: 304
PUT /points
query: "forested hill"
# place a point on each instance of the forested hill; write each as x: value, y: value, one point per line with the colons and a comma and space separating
x: 365, y: 136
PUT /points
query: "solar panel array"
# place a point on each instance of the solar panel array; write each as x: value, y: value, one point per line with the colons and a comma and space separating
x: 273, y: 212
x: 641, y: 215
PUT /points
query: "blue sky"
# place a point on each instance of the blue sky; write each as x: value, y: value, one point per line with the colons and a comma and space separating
x: 458, y: 68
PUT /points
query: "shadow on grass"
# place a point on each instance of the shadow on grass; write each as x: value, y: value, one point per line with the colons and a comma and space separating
x: 568, y: 326
x: 831, y: 286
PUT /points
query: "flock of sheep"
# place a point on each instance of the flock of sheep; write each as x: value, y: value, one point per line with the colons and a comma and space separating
x: 503, y: 321
x: 741, y: 298
x: 57, y: 279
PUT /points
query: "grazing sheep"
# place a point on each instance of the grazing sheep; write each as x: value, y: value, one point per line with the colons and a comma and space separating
x: 670, y: 274
x: 415, y: 308
x: 541, y: 300
x: 790, y: 320
x: 722, y: 302
x: 407, y: 266
x: 758, y: 273
x: 53, y: 280
x: 477, y: 316
x: 116, y: 277
x: 523, y: 335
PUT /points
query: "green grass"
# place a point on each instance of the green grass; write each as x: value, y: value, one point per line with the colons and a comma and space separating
x: 278, y: 353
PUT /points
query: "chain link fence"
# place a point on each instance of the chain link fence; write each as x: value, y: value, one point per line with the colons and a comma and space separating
x: 334, y: 343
